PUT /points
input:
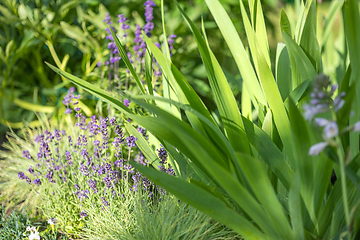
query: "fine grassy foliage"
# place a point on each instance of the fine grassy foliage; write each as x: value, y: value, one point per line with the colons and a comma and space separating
x: 267, y: 179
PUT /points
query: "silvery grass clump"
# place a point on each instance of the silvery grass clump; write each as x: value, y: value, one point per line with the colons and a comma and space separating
x: 82, y: 170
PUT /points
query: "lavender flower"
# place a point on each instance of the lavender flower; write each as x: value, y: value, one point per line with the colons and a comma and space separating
x: 37, y: 182
x: 26, y: 154
x: 21, y: 175
x: 83, y: 214
x: 149, y: 26
x: 52, y: 221
x: 131, y: 141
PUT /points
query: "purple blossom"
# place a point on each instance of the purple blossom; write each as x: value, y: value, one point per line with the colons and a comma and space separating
x: 37, y: 182
x: 83, y: 214
x: 162, y: 153
x: 31, y: 170
x: 21, y: 175
x: 131, y: 141
x: 26, y: 154
x: 126, y: 102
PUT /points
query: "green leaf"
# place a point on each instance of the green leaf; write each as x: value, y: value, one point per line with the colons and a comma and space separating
x: 143, y: 145
x: 285, y: 23
x: 204, y: 201
x: 352, y: 33
x: 237, y: 50
x: 126, y: 60
x: 299, y: 62
x: 33, y: 107
x: 283, y: 71
x: 92, y: 89
x: 269, y: 153
x: 295, y: 208
x: 224, y: 98
x: 308, y: 41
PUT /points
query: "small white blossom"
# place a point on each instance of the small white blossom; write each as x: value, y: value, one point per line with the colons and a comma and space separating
x: 317, y: 148
x: 52, y: 221
x: 331, y: 130
x: 321, y: 122
x: 357, y: 126
x: 34, y: 236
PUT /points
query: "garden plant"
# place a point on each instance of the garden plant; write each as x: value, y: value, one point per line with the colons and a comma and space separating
x: 282, y: 163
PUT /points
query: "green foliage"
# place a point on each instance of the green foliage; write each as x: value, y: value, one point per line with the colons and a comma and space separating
x: 263, y: 179
x: 14, y: 225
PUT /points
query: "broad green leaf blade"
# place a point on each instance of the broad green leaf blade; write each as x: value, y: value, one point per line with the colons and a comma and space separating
x: 33, y: 107
x: 185, y: 92
x: 304, y: 162
x: 269, y: 153
x: 126, y: 60
x: 205, y: 154
x: 299, y: 61
x: 262, y: 188
x: 221, y: 141
x: 295, y: 208
x: 148, y: 71
x: 92, y: 89
x: 258, y: 24
x: 276, y: 105
x: 308, y: 41
x: 224, y: 98
x: 285, y: 23
x: 204, y: 201
x: 352, y: 33
x: 283, y: 71
x: 237, y: 50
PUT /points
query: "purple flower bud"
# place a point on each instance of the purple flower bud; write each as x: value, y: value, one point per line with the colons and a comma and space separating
x: 126, y: 102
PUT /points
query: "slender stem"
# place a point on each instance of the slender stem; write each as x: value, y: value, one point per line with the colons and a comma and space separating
x: 343, y: 181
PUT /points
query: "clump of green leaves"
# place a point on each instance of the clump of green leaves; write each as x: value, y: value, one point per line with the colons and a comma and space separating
x: 14, y: 225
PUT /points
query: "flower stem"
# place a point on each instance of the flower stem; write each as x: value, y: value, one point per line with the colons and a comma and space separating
x: 343, y: 181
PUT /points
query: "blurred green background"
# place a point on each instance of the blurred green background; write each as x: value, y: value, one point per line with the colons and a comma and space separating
x: 70, y: 34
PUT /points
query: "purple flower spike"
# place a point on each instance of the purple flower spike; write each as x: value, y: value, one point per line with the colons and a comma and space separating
x: 131, y: 141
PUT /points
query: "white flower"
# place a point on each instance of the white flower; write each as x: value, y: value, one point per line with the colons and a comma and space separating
x: 28, y: 228
x: 317, y: 148
x: 34, y: 236
x: 321, y: 122
x: 331, y: 130
x: 52, y: 221
x: 357, y: 126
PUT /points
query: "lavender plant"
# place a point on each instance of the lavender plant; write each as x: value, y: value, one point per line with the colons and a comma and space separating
x: 84, y: 170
